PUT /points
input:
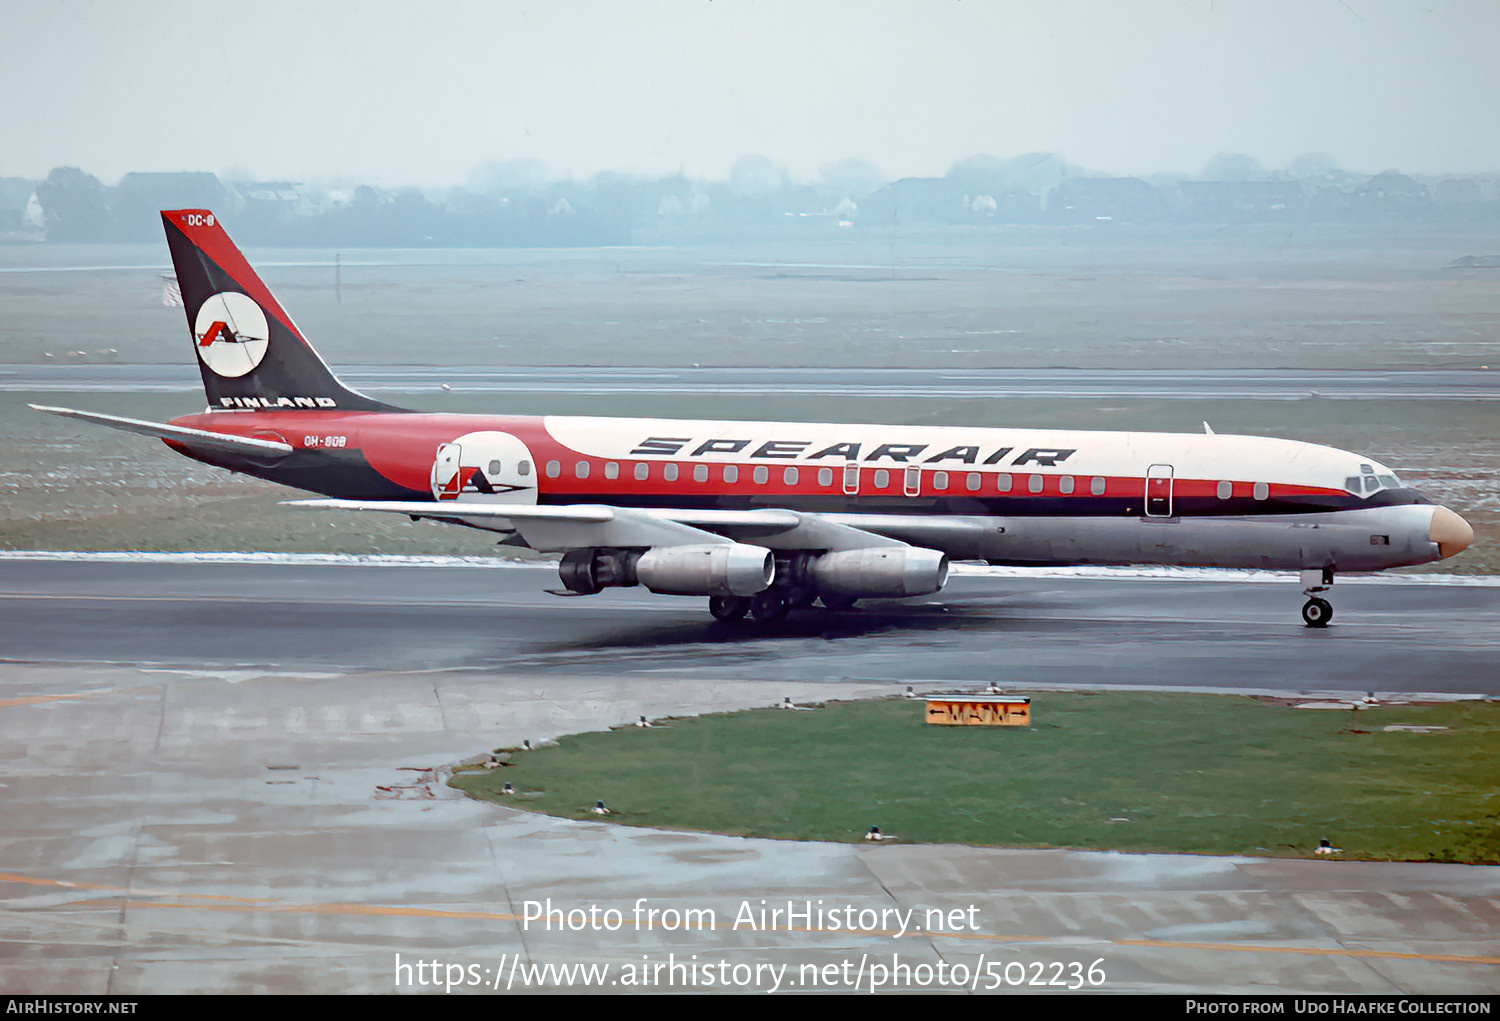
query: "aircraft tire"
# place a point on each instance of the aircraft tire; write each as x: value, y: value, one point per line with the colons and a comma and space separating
x: 728, y: 607
x: 1317, y: 612
x: 768, y: 606
x: 838, y: 603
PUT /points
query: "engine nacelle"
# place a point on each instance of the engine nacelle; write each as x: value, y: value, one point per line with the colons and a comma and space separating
x: 587, y: 571
x: 725, y: 569
x: 882, y: 571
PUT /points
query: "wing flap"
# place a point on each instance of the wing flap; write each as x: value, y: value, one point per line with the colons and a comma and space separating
x: 574, y: 526
x: 546, y: 527
x: 579, y: 513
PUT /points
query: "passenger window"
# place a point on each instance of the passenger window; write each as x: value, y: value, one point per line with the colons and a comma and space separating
x: 1035, y: 484
x: 1097, y: 486
x: 882, y: 477
x: 611, y: 469
x: 642, y: 471
x: 1261, y: 491
x: 1225, y: 490
x: 700, y: 473
x: 554, y: 469
x: 669, y: 472
x: 731, y: 473
x: 1065, y: 485
x: 973, y: 482
x: 825, y: 476
x: 940, y: 480
x: 761, y: 475
x: 523, y: 469
x: 789, y: 476
x: 581, y: 469
x: 1003, y: 483
x: 494, y: 468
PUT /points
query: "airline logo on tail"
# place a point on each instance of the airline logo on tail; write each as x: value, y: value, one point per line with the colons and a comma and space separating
x: 231, y: 333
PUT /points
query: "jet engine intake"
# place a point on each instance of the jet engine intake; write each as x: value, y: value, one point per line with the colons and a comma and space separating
x: 883, y: 571
x: 724, y: 569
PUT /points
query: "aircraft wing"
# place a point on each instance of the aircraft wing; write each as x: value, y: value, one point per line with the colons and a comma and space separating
x: 576, y: 526
x: 175, y: 433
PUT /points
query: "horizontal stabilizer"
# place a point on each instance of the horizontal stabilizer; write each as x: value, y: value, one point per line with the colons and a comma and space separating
x: 176, y: 433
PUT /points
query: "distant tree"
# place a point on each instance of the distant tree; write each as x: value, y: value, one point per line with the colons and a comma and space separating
x: 848, y: 179
x: 74, y: 205
x: 508, y: 177
x: 1312, y: 165
x: 1234, y: 166
x: 754, y: 175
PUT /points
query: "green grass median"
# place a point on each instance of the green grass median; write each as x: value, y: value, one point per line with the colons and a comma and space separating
x: 1123, y: 771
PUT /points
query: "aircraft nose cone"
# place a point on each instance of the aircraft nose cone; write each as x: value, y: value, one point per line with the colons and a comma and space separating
x: 1451, y: 533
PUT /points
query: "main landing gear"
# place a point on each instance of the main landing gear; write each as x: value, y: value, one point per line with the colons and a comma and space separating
x: 773, y: 604
x: 763, y: 607
x: 1317, y: 612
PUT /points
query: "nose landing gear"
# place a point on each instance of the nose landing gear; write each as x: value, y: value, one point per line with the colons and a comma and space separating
x: 1317, y: 612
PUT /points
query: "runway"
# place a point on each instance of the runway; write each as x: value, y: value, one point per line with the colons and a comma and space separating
x: 944, y: 383
x: 227, y: 777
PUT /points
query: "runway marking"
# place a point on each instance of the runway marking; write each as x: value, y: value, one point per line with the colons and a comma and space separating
x: 219, y: 902
x: 11, y: 703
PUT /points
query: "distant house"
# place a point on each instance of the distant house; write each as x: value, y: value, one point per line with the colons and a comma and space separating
x: 1392, y: 195
x: 269, y: 200
x: 1090, y: 199
x: 1238, y: 201
x: 1457, y: 191
x: 15, y: 195
x: 914, y: 200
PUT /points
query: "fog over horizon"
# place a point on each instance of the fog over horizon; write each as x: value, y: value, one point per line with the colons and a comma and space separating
x: 389, y: 94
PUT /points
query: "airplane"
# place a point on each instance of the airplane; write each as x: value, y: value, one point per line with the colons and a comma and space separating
x: 763, y: 517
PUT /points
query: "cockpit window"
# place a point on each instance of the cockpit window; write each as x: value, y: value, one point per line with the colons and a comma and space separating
x: 1363, y: 485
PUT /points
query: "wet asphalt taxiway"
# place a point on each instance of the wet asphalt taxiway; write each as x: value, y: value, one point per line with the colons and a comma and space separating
x: 228, y: 777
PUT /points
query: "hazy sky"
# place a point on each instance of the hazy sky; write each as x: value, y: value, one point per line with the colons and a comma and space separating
x: 420, y: 93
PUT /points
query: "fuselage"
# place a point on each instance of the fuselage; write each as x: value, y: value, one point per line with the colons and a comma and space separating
x: 1022, y: 496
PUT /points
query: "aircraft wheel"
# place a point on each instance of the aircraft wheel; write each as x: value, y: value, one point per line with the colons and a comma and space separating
x: 768, y: 606
x: 838, y: 603
x: 728, y: 607
x: 1317, y: 612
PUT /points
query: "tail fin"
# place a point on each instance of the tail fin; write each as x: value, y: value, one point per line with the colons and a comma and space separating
x: 250, y: 352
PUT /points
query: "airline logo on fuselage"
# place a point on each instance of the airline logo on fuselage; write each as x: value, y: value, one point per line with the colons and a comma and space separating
x: 900, y: 453
x: 230, y: 334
